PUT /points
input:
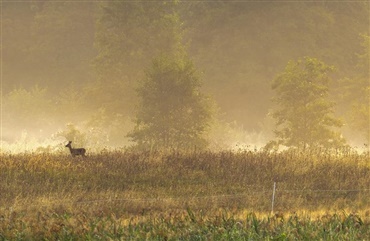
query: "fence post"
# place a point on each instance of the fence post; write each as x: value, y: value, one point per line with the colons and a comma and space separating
x: 273, y: 198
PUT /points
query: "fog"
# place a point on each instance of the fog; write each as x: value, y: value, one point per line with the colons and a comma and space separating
x: 70, y: 70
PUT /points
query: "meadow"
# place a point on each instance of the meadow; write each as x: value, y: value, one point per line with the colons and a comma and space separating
x: 178, y: 195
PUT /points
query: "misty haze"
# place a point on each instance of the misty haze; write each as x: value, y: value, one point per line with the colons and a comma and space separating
x: 71, y: 71
x: 185, y: 120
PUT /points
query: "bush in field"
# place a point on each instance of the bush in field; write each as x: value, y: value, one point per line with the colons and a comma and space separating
x: 72, y: 133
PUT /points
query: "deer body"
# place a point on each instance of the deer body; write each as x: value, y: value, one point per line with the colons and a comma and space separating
x: 76, y: 151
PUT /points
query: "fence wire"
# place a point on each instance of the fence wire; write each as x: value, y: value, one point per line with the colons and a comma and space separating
x: 281, y: 198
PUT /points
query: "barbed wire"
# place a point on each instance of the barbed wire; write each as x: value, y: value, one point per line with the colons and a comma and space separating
x: 221, y: 196
x: 192, y: 198
x: 325, y: 190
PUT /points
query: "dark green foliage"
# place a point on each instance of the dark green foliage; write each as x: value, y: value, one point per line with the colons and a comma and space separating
x: 304, y: 113
x: 173, y: 113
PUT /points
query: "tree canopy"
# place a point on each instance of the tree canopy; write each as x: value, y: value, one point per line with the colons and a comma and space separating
x: 304, y: 113
x: 173, y: 113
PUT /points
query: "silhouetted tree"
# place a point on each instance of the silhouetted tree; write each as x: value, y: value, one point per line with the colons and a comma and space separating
x: 173, y: 112
x: 304, y: 113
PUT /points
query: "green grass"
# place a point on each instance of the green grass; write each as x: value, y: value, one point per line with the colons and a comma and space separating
x: 185, y: 225
x: 185, y: 196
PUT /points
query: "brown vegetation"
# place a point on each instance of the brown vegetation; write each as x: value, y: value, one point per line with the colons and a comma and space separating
x: 60, y: 195
x: 203, y: 180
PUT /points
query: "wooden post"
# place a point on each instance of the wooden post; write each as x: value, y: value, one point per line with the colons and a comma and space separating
x: 273, y: 198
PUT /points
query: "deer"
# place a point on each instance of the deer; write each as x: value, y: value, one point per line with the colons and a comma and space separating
x: 76, y: 151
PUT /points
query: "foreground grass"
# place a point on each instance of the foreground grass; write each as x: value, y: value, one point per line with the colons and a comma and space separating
x: 182, y: 226
x: 178, y: 195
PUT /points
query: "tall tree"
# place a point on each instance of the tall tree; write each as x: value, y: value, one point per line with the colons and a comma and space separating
x: 61, y: 44
x: 128, y: 35
x: 304, y: 113
x: 172, y: 112
x: 355, y: 93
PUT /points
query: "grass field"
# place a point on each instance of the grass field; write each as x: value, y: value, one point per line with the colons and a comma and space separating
x: 123, y: 195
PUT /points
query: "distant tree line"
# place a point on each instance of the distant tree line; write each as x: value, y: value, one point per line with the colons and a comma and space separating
x: 154, y: 72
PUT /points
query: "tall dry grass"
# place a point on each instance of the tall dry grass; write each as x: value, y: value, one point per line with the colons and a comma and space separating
x: 137, y: 182
x: 176, y: 195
